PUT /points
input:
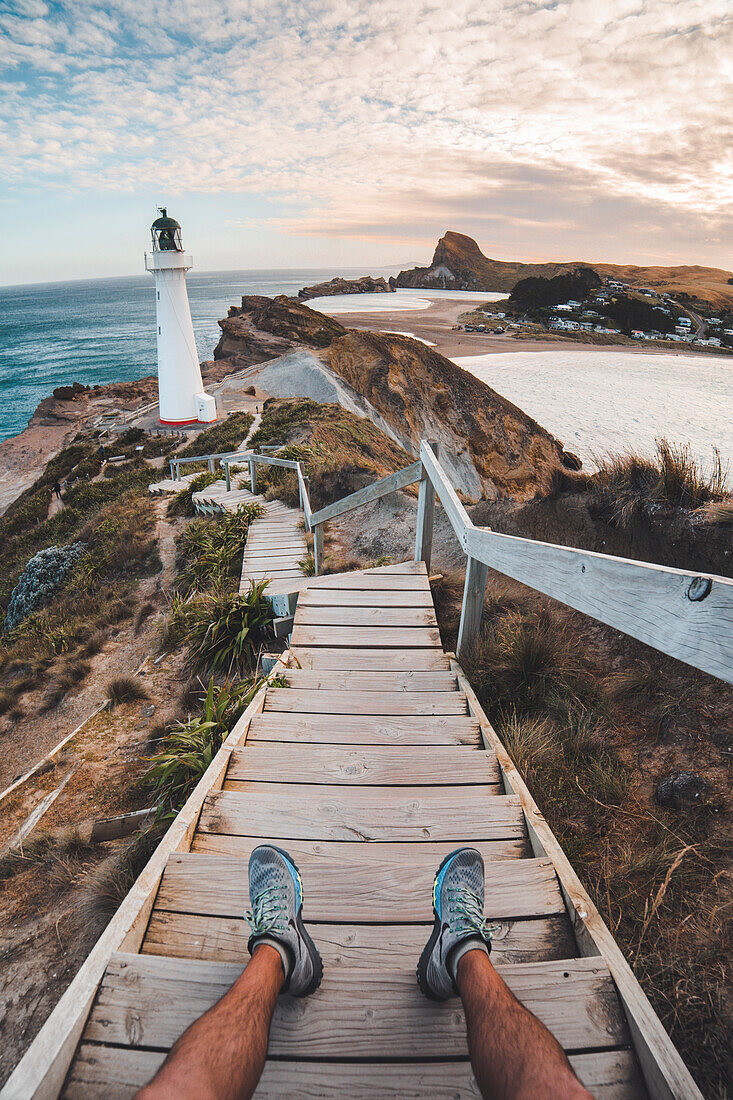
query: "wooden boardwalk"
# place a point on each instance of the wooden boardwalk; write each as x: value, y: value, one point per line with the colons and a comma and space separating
x: 275, y: 544
x: 368, y: 768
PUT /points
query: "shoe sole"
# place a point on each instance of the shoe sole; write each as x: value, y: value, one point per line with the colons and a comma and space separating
x: 423, y: 961
x: 303, y: 933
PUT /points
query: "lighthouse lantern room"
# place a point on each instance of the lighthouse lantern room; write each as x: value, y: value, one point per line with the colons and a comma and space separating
x: 180, y: 387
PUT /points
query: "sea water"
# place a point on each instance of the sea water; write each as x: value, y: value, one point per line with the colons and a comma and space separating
x: 104, y: 330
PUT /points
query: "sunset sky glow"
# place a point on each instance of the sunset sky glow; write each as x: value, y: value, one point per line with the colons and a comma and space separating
x: 334, y: 133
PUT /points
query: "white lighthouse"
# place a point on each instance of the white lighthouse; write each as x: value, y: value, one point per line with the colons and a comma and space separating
x: 180, y: 387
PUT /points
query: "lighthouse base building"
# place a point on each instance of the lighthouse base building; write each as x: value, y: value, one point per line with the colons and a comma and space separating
x: 181, y: 393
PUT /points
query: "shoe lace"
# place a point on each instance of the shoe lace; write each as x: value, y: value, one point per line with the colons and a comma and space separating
x: 267, y: 912
x: 466, y: 914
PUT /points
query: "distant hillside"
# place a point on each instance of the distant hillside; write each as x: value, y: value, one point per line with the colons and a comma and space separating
x: 459, y: 264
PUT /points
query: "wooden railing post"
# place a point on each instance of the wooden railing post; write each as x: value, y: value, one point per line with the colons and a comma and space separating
x: 211, y: 465
x: 425, y: 514
x: 253, y: 475
x: 318, y: 549
x: 173, y: 472
x: 228, y: 476
x: 473, y: 604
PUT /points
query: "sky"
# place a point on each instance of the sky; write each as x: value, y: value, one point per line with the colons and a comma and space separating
x: 340, y: 133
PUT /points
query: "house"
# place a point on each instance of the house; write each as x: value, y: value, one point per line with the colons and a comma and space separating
x: 637, y: 334
x: 564, y: 308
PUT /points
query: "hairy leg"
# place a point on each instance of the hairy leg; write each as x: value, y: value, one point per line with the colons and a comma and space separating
x: 221, y: 1056
x: 513, y: 1055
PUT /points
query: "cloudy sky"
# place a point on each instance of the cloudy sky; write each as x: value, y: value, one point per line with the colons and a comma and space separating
x: 291, y: 133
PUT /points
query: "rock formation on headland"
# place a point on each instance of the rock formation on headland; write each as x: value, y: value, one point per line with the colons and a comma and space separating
x: 459, y: 264
x: 489, y: 446
x: 367, y: 284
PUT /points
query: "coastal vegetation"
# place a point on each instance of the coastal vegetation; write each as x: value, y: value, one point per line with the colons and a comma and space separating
x: 536, y: 293
x: 224, y: 436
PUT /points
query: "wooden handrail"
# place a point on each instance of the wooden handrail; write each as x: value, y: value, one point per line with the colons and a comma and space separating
x: 685, y: 614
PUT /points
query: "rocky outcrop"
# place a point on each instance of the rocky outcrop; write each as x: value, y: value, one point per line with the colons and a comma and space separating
x: 489, y: 447
x: 367, y: 284
x: 459, y: 264
x: 264, y: 328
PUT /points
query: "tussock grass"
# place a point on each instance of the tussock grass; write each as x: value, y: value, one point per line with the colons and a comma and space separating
x: 62, y: 854
x: 182, y: 503
x: 190, y: 747
x: 125, y: 689
x: 224, y: 436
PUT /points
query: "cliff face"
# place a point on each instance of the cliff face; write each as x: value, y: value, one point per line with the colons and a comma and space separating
x: 459, y: 264
x: 490, y: 448
x: 264, y: 328
x: 365, y: 285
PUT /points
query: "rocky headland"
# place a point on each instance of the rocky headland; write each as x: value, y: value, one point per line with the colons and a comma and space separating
x: 489, y: 446
x: 459, y: 264
x: 367, y: 284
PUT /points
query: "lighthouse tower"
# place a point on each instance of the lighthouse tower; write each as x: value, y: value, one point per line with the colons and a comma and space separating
x: 180, y: 388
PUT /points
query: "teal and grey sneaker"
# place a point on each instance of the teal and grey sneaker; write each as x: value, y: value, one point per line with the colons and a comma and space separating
x: 460, y: 924
x: 276, y: 918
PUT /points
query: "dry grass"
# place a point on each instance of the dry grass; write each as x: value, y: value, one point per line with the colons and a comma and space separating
x: 125, y: 689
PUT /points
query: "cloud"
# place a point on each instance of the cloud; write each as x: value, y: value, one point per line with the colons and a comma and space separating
x: 372, y: 118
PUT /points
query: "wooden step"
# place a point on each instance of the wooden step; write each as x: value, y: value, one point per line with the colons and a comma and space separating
x: 116, y: 1073
x: 370, y: 681
x: 346, y: 886
x: 149, y: 1000
x: 371, y: 766
x: 374, y: 616
x: 370, y: 659
x: 285, y: 810
x: 369, y: 582
x: 348, y: 729
x: 313, y: 597
x: 304, y: 701
x: 397, y: 637
x: 365, y: 946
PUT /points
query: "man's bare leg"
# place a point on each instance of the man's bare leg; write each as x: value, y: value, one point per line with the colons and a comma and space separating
x: 514, y: 1056
x: 221, y: 1056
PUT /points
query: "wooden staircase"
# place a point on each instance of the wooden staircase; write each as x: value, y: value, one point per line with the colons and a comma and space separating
x: 368, y: 768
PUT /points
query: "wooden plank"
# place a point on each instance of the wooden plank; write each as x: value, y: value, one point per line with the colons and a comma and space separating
x: 115, y: 1073
x: 399, y: 480
x: 331, y: 658
x: 42, y: 1070
x: 457, y: 515
x: 375, y: 765
x: 366, y: 616
x: 472, y: 607
x: 342, y: 884
x: 670, y: 609
x: 365, y: 702
x: 367, y: 730
x: 354, y: 946
x: 306, y: 851
x: 397, y: 637
x: 665, y: 1074
x: 149, y: 1000
x: 359, y: 597
x: 363, y: 813
x: 369, y: 582
x: 371, y: 681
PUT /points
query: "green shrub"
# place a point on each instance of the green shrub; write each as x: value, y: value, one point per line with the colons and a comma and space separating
x: 125, y: 689
x: 189, y: 749
x: 182, y: 503
x: 211, y: 551
x: 225, y: 629
x: 222, y: 438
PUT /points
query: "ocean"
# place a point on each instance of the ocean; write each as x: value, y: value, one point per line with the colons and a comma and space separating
x: 103, y: 330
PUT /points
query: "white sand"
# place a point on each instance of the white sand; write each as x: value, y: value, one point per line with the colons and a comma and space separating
x: 600, y: 401
x: 400, y: 301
